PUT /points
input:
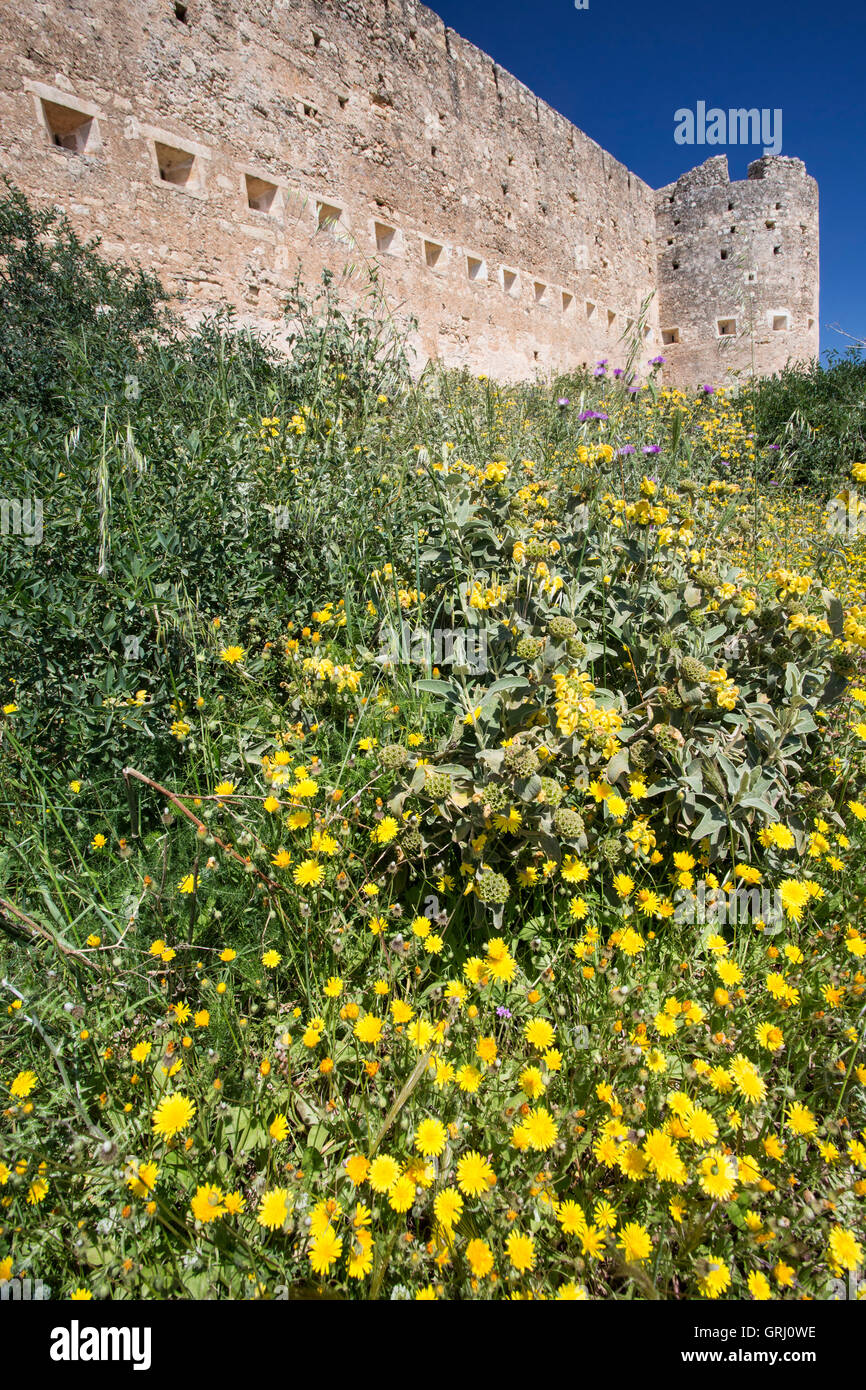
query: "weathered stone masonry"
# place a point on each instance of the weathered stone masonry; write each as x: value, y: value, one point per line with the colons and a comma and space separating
x: 738, y: 268
x: 223, y: 142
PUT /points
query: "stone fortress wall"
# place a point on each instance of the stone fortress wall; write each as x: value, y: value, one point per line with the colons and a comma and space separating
x: 221, y: 143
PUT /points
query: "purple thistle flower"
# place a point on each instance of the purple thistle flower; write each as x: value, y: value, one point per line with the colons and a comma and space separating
x: 651, y: 449
x: 708, y: 390
x: 563, y: 401
x: 502, y: 1012
x: 657, y: 361
x: 626, y: 449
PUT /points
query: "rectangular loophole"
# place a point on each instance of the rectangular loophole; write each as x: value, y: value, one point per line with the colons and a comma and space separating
x: 780, y: 323
x: 726, y: 328
x: 670, y: 336
x: 69, y: 129
x: 509, y: 281
x: 260, y: 194
x: 176, y: 166
x: 567, y: 301
x: 540, y: 292
x: 432, y: 253
x: 328, y: 216
x: 476, y: 269
x: 386, y: 237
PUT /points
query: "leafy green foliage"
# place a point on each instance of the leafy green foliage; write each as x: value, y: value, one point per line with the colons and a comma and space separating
x: 254, y: 824
x: 162, y: 510
x: 817, y: 417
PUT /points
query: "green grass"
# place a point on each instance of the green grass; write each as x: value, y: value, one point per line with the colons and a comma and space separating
x: 237, y: 828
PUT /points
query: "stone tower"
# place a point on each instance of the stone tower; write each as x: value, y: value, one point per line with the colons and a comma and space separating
x: 738, y: 269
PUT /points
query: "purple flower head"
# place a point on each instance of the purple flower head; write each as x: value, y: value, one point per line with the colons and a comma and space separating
x: 626, y: 449
x: 502, y: 1012
x: 617, y: 371
x: 602, y: 363
x: 633, y: 390
x: 657, y: 361
x: 563, y: 401
x: 593, y: 415
x: 651, y: 449
x: 774, y: 446
x: 708, y: 390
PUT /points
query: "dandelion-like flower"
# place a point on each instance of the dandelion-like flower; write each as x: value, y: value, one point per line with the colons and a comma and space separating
x: 173, y: 1114
x: 274, y: 1208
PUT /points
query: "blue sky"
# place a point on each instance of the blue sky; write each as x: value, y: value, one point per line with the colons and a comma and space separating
x: 621, y: 68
